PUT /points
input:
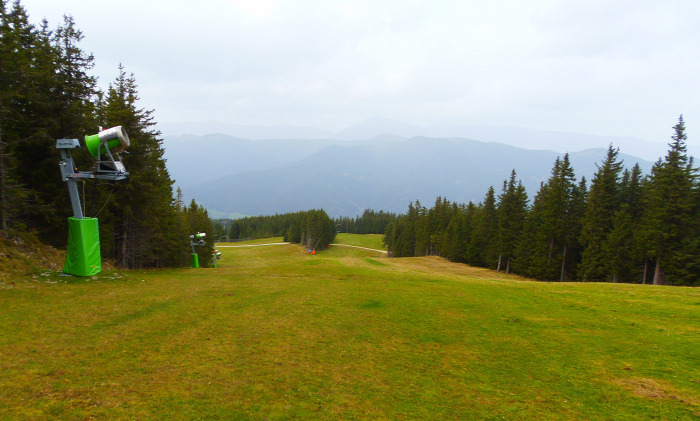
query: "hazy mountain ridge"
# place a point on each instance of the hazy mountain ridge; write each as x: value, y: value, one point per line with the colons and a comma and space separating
x: 346, y: 178
x: 196, y: 159
x: 386, y: 129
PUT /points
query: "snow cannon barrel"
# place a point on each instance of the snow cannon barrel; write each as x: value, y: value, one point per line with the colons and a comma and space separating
x: 113, y: 138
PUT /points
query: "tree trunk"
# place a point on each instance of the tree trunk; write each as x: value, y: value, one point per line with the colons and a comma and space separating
x: 659, y: 278
x: 551, y: 247
x: 500, y: 258
x: 563, y: 265
x: 508, y: 266
x: 646, y: 265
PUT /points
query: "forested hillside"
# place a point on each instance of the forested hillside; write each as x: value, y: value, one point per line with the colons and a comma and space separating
x: 370, y: 222
x: 47, y: 93
x: 310, y: 228
x: 625, y: 227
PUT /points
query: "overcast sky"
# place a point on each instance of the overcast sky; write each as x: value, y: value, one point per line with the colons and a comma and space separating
x: 604, y: 67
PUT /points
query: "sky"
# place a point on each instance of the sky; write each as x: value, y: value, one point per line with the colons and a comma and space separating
x: 602, y: 67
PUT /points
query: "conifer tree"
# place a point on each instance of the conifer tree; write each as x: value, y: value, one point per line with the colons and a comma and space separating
x: 624, y: 254
x: 467, y: 227
x: 142, y: 209
x: 576, y: 211
x: 550, y: 227
x: 404, y: 243
x: 670, y: 224
x: 530, y: 251
x: 438, y: 218
x: 603, y: 203
x: 483, y: 241
x: 458, y: 233
x: 45, y: 94
x: 26, y: 68
x: 512, y: 210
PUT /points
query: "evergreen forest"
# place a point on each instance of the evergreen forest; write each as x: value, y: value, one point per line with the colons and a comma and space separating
x: 624, y: 227
x: 310, y: 228
x: 370, y: 222
x: 47, y: 93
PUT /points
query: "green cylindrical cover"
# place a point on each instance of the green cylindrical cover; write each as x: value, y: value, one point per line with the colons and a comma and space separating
x: 195, y: 261
x: 83, y: 253
x: 93, y: 143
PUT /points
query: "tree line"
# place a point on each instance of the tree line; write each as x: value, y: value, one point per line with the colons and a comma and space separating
x: 625, y: 227
x: 47, y: 93
x: 370, y: 222
x: 312, y: 228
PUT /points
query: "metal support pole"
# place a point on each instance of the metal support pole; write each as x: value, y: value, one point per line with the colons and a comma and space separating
x: 75, y: 199
x: 68, y: 174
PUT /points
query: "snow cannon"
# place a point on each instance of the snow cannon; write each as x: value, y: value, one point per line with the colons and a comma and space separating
x: 102, y: 146
x: 195, y: 241
x: 83, y: 253
x: 215, y: 255
x: 114, y: 138
x: 198, y: 238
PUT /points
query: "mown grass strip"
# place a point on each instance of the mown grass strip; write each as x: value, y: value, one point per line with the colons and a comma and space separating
x: 269, y: 335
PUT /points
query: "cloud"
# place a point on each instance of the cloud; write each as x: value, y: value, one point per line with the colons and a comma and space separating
x: 613, y: 67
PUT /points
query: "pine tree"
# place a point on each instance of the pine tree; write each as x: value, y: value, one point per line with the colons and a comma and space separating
x: 576, y: 211
x: 45, y: 94
x: 142, y: 212
x: 404, y: 244
x: 484, y: 236
x: 549, y: 236
x: 421, y: 230
x: 670, y: 226
x: 625, y: 257
x: 511, y: 213
x: 530, y: 251
x: 603, y: 203
x: 25, y: 71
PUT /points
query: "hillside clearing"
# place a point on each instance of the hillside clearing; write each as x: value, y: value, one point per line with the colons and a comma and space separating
x: 276, y: 333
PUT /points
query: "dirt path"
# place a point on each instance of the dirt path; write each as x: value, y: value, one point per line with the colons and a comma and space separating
x: 358, y: 247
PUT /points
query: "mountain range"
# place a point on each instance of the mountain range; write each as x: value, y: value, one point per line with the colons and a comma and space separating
x: 234, y: 176
x: 380, y: 127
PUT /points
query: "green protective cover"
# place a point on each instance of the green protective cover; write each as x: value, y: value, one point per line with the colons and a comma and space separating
x: 93, y: 143
x: 83, y: 253
x: 195, y: 261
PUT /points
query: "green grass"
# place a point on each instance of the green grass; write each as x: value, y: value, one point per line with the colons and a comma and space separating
x: 252, y: 242
x: 372, y: 241
x: 275, y: 333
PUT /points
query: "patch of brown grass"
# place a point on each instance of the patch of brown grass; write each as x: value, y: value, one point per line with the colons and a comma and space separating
x: 657, y: 390
x: 435, y: 264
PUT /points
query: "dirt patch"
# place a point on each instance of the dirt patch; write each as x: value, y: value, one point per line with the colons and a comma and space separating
x: 657, y: 390
x: 434, y: 264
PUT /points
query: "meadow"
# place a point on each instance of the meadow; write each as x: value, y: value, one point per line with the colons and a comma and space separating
x: 275, y: 333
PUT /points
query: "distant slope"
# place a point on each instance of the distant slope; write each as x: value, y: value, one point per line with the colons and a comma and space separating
x: 196, y: 159
x: 346, y: 179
